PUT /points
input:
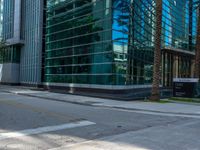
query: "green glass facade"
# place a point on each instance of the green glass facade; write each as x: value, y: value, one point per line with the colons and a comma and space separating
x: 78, y: 42
x: 111, y: 42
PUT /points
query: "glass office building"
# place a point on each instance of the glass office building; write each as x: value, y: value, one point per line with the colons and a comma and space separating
x: 111, y: 42
x: 104, y: 44
x: 179, y: 34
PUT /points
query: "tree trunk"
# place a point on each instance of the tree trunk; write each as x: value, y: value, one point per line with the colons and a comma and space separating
x: 197, y: 55
x: 155, y: 93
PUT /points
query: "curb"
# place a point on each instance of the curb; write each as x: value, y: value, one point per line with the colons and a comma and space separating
x: 93, y: 105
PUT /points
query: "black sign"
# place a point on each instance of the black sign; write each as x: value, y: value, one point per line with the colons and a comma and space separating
x: 184, y: 89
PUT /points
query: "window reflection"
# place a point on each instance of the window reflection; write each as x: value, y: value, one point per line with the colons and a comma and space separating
x: 112, y: 41
x: 78, y: 42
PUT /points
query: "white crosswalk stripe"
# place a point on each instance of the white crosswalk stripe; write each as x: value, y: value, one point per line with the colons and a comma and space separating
x: 46, y: 129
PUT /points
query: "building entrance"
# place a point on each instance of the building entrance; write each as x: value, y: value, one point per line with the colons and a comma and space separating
x: 176, y: 65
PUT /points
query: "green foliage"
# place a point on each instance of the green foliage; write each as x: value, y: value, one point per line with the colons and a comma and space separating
x: 2, y: 44
x: 2, y: 49
x: 182, y: 99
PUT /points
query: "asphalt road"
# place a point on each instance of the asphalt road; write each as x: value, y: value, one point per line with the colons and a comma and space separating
x: 28, y: 123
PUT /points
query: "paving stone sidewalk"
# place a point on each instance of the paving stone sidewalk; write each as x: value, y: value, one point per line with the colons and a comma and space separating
x: 173, y: 108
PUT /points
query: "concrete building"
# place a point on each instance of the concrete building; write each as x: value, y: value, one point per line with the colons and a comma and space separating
x: 21, y: 61
x: 104, y: 45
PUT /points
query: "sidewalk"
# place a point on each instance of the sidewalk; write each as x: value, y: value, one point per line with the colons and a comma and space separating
x: 170, y: 108
x: 167, y: 137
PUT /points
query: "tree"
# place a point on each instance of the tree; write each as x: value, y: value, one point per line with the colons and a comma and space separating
x: 2, y: 47
x: 155, y: 93
x: 2, y: 44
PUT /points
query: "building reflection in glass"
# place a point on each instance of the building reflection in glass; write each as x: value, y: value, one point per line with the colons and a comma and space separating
x: 111, y: 42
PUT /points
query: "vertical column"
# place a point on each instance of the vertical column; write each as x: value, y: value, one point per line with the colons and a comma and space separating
x: 163, y: 68
x: 192, y: 67
x: 175, y: 66
x: 190, y: 23
x: 17, y: 20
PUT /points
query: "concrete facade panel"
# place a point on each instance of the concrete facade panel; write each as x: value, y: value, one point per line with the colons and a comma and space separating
x: 9, y: 73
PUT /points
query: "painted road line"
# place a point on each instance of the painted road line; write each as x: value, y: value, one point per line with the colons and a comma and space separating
x: 40, y: 130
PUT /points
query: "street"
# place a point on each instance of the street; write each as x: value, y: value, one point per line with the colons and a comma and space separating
x: 31, y: 123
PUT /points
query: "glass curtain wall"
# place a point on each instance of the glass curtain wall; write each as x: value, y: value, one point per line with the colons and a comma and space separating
x: 78, y: 42
x: 133, y: 40
x: 8, y: 19
x: 111, y: 42
x: 178, y: 18
x: 179, y: 32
